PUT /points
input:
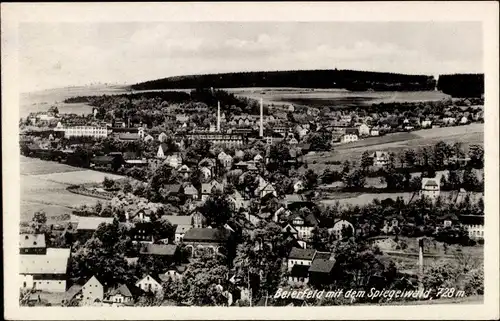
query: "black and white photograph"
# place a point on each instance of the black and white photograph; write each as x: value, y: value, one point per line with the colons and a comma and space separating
x: 230, y: 163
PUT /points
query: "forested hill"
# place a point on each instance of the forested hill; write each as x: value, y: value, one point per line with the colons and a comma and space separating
x: 462, y: 85
x: 345, y: 79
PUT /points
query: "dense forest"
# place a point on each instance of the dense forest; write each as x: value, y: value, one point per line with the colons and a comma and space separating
x: 462, y: 85
x: 345, y: 79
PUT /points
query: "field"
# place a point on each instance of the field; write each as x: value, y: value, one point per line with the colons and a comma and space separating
x: 43, y: 187
x: 42, y: 100
x: 468, y: 135
x: 332, y: 97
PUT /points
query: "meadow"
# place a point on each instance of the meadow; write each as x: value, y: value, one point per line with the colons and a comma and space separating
x: 333, y: 97
x: 467, y: 135
x: 43, y: 186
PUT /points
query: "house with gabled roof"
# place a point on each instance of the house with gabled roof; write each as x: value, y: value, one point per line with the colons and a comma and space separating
x: 191, y: 192
x: 212, y: 239
x: 300, y: 256
x: 208, y: 188
x: 32, y: 244
x: 162, y: 150
x: 150, y: 283
x: 339, y: 229
x: 184, y: 170
x: 321, y: 271
x: 430, y: 188
x: 351, y: 135
x: 92, y: 292
x: 122, y: 295
x: 304, y: 224
x: 174, y: 160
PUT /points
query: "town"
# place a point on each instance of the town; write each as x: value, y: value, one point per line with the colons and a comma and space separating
x: 213, y: 199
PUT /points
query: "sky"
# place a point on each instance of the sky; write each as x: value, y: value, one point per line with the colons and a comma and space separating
x: 55, y: 55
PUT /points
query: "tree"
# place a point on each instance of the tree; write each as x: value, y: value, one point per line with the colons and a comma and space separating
x: 366, y: 161
x: 218, y: 209
x: 311, y: 179
x: 108, y: 183
x: 321, y: 239
x: 320, y: 141
x: 454, y: 180
x: 476, y: 154
x: 410, y: 158
x: 354, y: 180
x: 470, y: 181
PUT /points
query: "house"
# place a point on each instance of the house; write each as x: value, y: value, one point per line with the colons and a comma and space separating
x: 191, y: 192
x: 258, y: 158
x: 364, y: 130
x: 474, y: 225
x: 185, y: 171
x: 225, y: 159
x: 211, y: 239
x: 299, y: 275
x: 92, y: 292
x: 122, y: 295
x: 206, y: 172
x: 464, y: 120
x: 162, y: 151
x: 264, y: 188
x: 430, y: 188
x: 351, y: 135
x: 184, y: 223
x: 174, y: 160
x: 142, y: 233
x: 167, y: 251
x: 375, y: 131
x: 141, y: 215
x: 449, y: 121
x: 162, y: 138
x: 380, y: 159
x: 293, y: 141
x: 173, y: 190
x: 87, y: 225
x: 321, y: 271
x: 298, y: 256
x: 150, y: 283
x: 340, y: 227
x: 426, y: 123
x: 173, y: 273
x: 148, y: 138
x: 298, y: 186
x: 45, y: 272
x: 32, y: 244
x: 304, y: 224
x: 208, y: 188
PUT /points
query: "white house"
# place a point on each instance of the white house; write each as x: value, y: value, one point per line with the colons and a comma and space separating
x: 92, y: 292
x: 340, y: 226
x: 149, y: 284
x: 364, y: 130
x: 375, y: 131
x: 304, y: 224
x: 430, y: 188
x: 258, y: 158
x: 427, y: 123
x: 162, y: 151
x: 351, y: 135
x: 300, y: 256
x: 174, y: 160
x: 225, y: 159
x: 380, y: 159
x: 162, y: 137
x: 464, y: 120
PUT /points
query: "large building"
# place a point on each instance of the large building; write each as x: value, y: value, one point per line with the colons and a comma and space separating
x: 84, y: 131
x: 42, y: 269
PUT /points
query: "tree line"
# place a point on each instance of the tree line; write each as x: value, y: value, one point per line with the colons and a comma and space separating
x: 348, y: 79
x: 462, y: 85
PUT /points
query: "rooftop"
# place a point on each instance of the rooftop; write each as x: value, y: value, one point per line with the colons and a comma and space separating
x: 42, y: 264
x: 301, y: 254
x: 207, y: 235
x: 92, y: 222
x: 32, y: 241
x: 322, y: 266
x: 159, y: 249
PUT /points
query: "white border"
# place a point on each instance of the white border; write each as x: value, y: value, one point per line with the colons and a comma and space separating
x: 12, y: 14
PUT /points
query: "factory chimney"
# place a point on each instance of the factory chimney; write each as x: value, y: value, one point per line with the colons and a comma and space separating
x: 218, y: 116
x: 261, y: 130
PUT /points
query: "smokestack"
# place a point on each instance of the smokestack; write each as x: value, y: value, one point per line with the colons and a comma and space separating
x: 420, y: 262
x: 261, y: 130
x: 218, y: 116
